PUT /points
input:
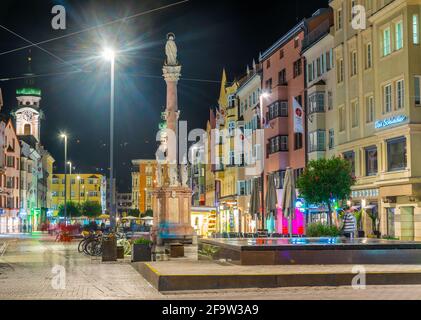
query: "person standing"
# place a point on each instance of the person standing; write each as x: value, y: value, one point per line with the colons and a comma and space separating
x: 349, y: 225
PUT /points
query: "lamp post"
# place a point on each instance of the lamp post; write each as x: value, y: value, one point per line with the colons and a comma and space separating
x: 64, y: 136
x: 109, y: 55
x: 262, y: 96
x: 70, y: 172
x: 78, y: 180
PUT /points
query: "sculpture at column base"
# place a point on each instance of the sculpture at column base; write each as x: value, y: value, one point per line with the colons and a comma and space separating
x: 172, y: 206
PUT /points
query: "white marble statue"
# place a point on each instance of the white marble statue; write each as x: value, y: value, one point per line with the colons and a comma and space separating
x: 173, y: 176
x: 171, y: 50
x: 159, y: 175
x: 184, y: 172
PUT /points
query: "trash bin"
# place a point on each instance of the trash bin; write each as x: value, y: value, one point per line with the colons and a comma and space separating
x: 109, y: 248
x: 120, y: 252
x: 176, y: 250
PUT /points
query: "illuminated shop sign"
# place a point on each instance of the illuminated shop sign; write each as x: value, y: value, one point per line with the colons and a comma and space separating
x: 390, y: 121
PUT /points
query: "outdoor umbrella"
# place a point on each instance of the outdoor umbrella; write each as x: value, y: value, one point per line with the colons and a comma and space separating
x: 130, y: 218
x: 289, y: 198
x: 255, y: 198
x: 271, y: 197
x: 104, y: 217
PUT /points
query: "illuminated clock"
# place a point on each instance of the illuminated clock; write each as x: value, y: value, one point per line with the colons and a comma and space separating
x: 27, y: 115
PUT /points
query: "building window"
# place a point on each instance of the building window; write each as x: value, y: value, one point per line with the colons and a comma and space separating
x: 354, y: 63
x: 369, y: 109
x: 415, y: 29
x: 296, y: 42
x: 339, y: 19
x: 352, y: 10
x: 268, y: 64
x: 342, y: 119
x: 386, y: 42
x: 350, y: 157
x: 282, y: 77
x: 316, y: 102
x: 331, y: 139
x: 277, y: 144
x: 281, y: 54
x: 371, y: 166
x: 396, y: 154
x: 297, y: 68
x: 329, y: 100
x: 340, y: 75
x: 368, y: 56
x: 309, y: 72
x: 278, y: 109
x: 417, y: 90
x: 279, y: 179
x: 231, y: 128
x: 269, y: 85
x: 317, y: 141
x: 399, y: 35
x: 298, y: 141
x: 400, y: 94
x: 387, y: 98
x: 354, y: 113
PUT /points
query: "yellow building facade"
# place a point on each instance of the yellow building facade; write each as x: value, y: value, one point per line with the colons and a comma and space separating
x: 143, y: 183
x: 378, y: 101
x: 80, y: 188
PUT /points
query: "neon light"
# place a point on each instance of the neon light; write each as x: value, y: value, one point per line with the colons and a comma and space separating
x: 390, y: 121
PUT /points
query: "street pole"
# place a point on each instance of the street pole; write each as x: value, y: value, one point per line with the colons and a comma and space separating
x: 65, y: 178
x: 262, y: 176
x: 70, y: 168
x: 112, y: 211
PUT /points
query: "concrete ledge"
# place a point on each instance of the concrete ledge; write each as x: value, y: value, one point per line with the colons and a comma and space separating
x: 191, y: 282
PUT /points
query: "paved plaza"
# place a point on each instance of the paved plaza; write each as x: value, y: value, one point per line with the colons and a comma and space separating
x: 26, y: 272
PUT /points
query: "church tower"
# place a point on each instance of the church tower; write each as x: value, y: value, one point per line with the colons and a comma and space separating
x: 28, y: 113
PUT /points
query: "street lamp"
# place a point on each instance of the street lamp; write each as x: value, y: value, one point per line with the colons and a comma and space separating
x: 64, y: 136
x: 109, y: 55
x: 78, y: 180
x: 70, y: 172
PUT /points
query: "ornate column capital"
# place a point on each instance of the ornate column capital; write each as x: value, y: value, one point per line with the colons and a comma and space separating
x: 171, y: 73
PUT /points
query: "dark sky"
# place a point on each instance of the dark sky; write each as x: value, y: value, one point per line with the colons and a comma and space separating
x: 210, y: 35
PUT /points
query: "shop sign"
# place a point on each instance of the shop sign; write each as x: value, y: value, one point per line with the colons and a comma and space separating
x: 365, y: 193
x: 390, y: 121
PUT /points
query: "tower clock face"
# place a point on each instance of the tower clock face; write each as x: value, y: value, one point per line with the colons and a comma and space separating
x: 27, y: 115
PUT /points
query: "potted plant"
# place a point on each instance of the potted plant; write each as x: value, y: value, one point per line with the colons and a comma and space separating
x: 142, y: 250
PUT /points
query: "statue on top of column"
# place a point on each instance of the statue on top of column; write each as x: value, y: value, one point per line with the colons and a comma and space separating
x: 171, y: 51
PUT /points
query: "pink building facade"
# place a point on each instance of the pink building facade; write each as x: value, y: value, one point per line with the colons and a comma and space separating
x: 283, y: 80
x: 9, y: 181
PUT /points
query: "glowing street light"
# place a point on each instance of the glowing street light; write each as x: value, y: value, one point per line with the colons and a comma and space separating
x: 109, y: 55
x: 69, y: 163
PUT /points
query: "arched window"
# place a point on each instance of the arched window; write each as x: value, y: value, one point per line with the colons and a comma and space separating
x: 27, y: 129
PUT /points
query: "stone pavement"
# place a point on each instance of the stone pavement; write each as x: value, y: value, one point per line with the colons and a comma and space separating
x: 26, y: 273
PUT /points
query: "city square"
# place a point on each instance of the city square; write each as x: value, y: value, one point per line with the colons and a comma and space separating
x: 171, y: 150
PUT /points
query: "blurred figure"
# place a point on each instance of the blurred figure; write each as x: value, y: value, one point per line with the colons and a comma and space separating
x: 349, y: 225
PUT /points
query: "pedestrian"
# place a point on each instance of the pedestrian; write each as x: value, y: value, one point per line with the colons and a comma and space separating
x: 349, y: 225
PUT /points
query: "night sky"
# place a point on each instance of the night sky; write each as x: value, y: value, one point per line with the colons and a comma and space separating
x: 210, y: 35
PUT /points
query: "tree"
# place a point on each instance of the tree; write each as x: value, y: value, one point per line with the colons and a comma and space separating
x: 91, y: 209
x: 134, y: 212
x: 148, y: 213
x: 324, y: 180
x: 73, y: 210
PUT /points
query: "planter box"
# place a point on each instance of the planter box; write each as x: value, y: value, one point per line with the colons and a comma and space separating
x: 141, y: 253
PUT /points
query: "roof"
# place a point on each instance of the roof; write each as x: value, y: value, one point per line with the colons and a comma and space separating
x: 29, y: 139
